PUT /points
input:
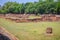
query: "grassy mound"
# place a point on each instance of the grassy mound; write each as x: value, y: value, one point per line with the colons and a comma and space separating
x: 32, y: 31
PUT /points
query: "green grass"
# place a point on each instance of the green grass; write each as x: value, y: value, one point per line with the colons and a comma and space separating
x: 32, y: 31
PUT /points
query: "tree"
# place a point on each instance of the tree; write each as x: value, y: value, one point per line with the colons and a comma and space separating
x: 29, y: 8
x: 13, y: 7
x: 50, y: 0
x: 40, y: 0
x: 41, y: 7
x: 58, y: 7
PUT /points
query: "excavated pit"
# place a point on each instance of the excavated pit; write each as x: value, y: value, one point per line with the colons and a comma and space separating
x: 5, y: 35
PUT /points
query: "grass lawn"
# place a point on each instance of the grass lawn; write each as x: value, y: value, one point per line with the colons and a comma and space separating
x: 32, y: 31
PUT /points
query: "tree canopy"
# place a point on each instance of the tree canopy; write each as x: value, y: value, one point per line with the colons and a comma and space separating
x: 41, y: 7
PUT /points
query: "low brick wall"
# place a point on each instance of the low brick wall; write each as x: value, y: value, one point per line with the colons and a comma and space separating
x: 25, y: 18
x: 2, y: 15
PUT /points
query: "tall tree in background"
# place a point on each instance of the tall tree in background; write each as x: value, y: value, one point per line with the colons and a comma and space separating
x: 58, y: 6
x: 13, y: 7
x: 41, y: 7
x: 40, y: 0
x: 50, y: 0
x: 29, y: 8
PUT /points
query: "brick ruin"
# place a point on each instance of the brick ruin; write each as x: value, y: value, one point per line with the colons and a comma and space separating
x: 49, y: 30
x: 25, y: 17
